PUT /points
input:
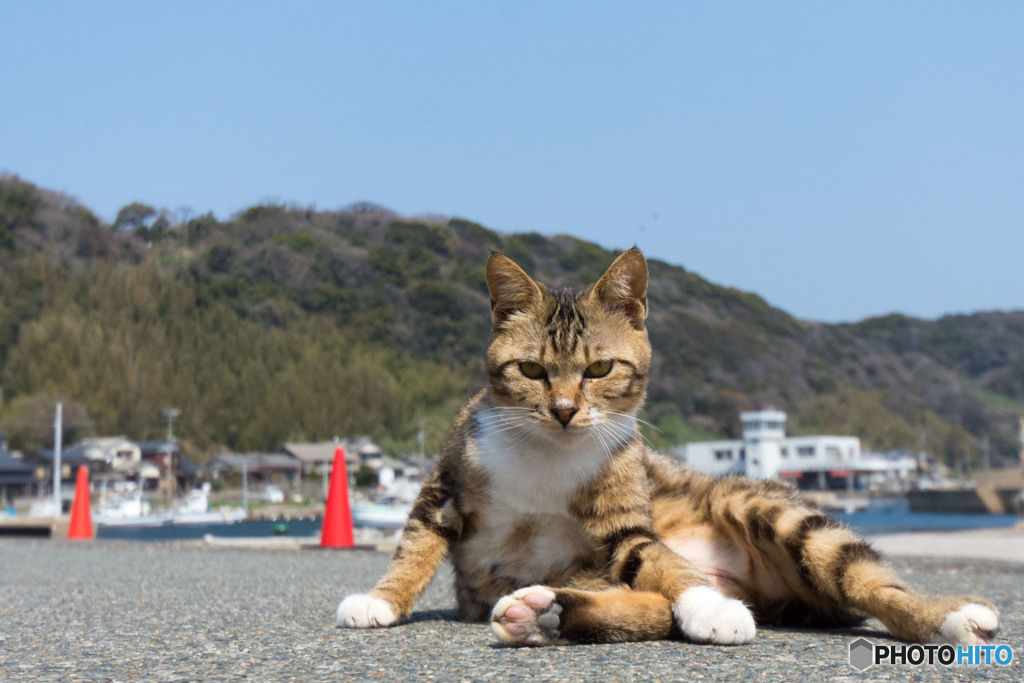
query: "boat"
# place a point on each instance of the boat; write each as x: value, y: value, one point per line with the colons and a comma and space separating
x: 194, y: 509
x: 380, y: 516
x: 837, y: 501
x: 129, y: 509
x: 43, y: 508
x: 848, y: 505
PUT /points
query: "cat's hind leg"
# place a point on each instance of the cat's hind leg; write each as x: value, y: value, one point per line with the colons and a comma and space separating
x: 801, y: 566
x: 843, y: 567
x: 538, y: 615
x: 529, y: 616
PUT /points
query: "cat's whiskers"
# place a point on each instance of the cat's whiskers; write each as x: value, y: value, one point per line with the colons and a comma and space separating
x: 527, y: 421
x: 639, y: 421
x: 500, y: 419
x: 504, y: 415
x: 599, y: 432
x: 633, y: 417
x: 623, y: 432
x: 629, y: 434
x: 491, y: 430
x: 520, y: 425
x: 500, y: 410
x: 512, y: 423
x: 498, y: 425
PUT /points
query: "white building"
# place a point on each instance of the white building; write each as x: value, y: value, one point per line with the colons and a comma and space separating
x: 811, y: 462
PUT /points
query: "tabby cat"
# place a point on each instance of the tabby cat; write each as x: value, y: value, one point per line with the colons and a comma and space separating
x: 563, y: 526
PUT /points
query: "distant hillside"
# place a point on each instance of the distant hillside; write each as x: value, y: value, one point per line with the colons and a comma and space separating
x: 285, y: 323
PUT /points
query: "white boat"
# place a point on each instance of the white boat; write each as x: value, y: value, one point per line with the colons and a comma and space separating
x: 380, y: 516
x: 848, y: 505
x: 194, y: 509
x: 129, y: 509
x: 43, y: 508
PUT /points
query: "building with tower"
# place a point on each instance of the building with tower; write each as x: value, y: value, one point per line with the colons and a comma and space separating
x: 810, y: 462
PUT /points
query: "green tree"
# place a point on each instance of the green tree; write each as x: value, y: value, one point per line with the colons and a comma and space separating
x: 28, y: 421
x: 134, y: 216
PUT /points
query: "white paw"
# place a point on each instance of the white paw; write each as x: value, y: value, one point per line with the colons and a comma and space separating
x: 707, y: 616
x: 527, y: 617
x: 972, y: 624
x: 364, y: 611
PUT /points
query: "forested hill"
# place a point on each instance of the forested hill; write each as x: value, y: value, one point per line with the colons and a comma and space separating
x: 285, y: 323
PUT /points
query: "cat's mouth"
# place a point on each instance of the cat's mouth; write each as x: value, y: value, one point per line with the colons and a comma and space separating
x: 567, y: 431
x: 566, y: 434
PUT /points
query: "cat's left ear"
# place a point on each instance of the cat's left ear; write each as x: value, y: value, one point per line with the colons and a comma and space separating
x: 623, y: 287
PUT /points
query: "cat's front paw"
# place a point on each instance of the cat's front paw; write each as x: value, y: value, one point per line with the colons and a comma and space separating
x: 707, y: 616
x: 971, y: 624
x: 530, y: 616
x: 364, y: 611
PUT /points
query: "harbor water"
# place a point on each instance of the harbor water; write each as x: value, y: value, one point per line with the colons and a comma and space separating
x: 883, y: 518
x: 262, y: 528
x: 896, y: 517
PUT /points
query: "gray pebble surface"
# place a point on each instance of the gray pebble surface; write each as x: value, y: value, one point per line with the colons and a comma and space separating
x: 123, y: 611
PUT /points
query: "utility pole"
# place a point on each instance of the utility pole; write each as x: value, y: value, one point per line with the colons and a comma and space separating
x: 245, y: 485
x: 324, y: 468
x: 170, y: 414
x: 58, y: 431
x: 1022, y: 442
x: 421, y: 437
x: 1021, y: 436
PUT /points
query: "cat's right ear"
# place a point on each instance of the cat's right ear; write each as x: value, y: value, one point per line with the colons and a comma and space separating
x: 512, y: 290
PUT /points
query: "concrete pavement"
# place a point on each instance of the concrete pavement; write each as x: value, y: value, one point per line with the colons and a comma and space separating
x: 981, y: 544
x: 123, y: 611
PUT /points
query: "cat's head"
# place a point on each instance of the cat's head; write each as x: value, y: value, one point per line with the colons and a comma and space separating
x: 571, y: 363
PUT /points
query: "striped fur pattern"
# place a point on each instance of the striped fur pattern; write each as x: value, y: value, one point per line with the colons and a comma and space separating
x: 562, y: 526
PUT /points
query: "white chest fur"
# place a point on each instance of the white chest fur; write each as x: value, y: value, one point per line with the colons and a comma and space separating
x: 535, y: 475
x: 527, y: 532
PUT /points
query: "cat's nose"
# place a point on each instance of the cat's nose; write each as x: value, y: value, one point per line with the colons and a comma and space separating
x: 563, y: 409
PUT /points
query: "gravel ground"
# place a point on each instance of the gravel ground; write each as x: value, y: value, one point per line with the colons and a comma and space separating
x: 123, y: 611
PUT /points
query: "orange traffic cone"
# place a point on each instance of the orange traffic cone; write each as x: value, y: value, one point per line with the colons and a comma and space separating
x: 337, y: 527
x: 80, y: 528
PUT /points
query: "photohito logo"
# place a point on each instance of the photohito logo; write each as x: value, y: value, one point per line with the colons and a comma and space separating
x: 864, y: 653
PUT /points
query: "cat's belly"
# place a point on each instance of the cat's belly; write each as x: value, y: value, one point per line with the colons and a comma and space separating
x: 512, y: 550
x: 722, y: 562
x: 730, y: 568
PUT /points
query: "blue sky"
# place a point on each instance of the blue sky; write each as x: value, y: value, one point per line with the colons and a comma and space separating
x: 841, y: 159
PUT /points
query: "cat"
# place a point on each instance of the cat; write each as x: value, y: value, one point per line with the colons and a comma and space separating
x: 564, y: 527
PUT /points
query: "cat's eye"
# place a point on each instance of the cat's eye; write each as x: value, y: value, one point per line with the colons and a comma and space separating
x: 599, y: 369
x: 532, y: 370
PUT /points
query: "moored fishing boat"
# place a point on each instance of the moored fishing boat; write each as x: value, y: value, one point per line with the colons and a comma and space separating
x: 129, y: 509
x: 195, y: 509
x: 380, y: 516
